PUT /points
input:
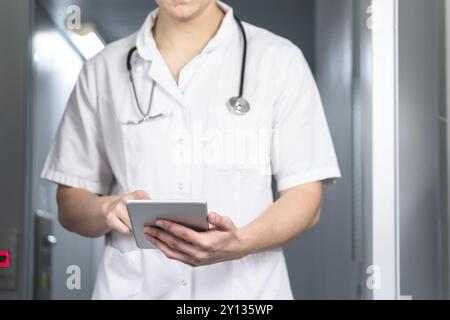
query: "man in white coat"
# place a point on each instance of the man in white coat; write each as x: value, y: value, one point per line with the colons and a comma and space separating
x: 190, y: 53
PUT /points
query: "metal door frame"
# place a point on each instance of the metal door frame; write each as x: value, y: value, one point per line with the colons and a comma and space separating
x: 446, y: 245
x: 385, y: 211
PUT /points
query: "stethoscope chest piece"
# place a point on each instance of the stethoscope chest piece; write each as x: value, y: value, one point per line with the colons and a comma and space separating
x: 239, y: 106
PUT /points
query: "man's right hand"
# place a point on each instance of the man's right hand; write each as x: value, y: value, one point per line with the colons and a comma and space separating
x: 116, y: 213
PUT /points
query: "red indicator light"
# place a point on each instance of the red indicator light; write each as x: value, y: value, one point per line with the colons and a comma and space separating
x: 4, y: 259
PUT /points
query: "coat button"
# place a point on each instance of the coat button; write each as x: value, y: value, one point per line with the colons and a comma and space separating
x: 184, y: 283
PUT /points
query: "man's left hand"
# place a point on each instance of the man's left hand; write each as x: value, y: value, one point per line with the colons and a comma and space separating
x: 222, y: 242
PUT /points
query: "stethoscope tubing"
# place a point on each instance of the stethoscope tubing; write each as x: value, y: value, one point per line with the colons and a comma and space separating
x: 244, y: 57
x: 233, y: 103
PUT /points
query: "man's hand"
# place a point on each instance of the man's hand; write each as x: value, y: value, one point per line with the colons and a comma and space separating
x: 296, y: 211
x: 221, y: 243
x: 116, y: 213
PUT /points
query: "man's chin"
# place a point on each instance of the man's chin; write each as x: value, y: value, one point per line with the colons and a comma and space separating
x: 185, y: 13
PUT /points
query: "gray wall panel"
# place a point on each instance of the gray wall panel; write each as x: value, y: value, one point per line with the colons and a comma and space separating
x: 420, y: 22
x: 334, y: 273
x: 15, y: 26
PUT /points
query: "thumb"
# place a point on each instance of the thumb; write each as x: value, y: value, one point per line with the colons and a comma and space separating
x: 220, y: 222
x: 140, y: 195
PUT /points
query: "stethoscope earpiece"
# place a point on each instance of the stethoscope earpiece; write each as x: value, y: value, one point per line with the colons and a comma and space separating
x: 239, y: 106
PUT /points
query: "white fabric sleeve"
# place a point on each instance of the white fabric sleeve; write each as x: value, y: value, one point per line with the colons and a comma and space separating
x: 78, y: 158
x: 302, y: 148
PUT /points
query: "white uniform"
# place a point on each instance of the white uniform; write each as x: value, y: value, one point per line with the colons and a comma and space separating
x: 198, y: 150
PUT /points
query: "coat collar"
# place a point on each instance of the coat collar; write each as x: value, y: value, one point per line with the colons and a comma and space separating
x: 146, y: 44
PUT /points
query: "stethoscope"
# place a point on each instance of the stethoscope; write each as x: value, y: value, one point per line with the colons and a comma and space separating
x: 237, y: 105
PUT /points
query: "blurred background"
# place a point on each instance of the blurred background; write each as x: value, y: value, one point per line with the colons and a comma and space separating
x: 382, y: 71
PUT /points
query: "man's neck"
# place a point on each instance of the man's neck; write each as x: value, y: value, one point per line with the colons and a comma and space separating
x: 195, y: 33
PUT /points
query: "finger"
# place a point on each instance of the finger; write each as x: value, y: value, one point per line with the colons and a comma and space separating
x: 220, y: 222
x: 118, y: 225
x: 172, y: 241
x: 180, y: 231
x: 171, y: 253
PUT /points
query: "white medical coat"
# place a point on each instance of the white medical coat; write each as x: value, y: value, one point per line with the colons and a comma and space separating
x: 198, y: 150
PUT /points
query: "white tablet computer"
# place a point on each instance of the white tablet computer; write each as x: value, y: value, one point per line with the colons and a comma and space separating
x: 192, y: 214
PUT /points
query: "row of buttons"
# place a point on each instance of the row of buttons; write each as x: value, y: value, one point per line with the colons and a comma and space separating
x: 181, y: 186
